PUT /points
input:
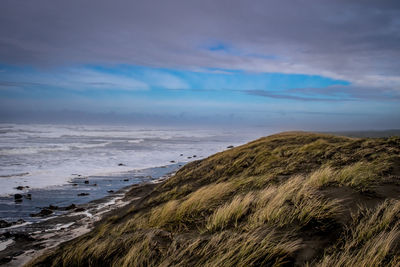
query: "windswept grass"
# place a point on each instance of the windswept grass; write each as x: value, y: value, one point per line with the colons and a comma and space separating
x: 204, y: 198
x: 179, y: 213
x: 230, y: 213
x: 360, y: 175
x: 258, y: 248
x: 372, y: 240
x: 293, y: 202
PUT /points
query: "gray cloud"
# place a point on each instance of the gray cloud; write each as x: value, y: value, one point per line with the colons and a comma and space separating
x: 354, y: 40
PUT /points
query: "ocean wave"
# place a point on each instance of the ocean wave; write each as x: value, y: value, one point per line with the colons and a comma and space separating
x: 55, y: 148
x: 14, y: 175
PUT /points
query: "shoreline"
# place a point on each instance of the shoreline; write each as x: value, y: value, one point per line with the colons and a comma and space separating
x: 48, y: 234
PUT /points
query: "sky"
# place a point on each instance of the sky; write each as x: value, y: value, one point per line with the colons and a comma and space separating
x: 287, y: 65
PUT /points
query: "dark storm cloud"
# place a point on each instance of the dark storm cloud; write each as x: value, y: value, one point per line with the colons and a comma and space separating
x: 353, y: 40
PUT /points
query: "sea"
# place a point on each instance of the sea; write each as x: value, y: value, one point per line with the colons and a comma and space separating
x: 65, y: 164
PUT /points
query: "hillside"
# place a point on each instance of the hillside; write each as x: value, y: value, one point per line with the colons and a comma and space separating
x: 288, y: 199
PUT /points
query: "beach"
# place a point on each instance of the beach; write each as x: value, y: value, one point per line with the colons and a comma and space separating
x: 23, y: 242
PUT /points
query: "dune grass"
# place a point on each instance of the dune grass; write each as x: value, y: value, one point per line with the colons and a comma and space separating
x: 230, y: 213
x: 293, y: 202
x: 360, y: 175
x: 372, y: 240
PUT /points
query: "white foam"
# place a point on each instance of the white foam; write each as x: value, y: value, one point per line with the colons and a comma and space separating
x: 59, y: 226
x: 6, y: 243
x: 50, y: 154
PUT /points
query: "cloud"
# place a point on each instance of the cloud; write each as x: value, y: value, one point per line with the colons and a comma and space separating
x: 349, y: 40
x: 76, y: 79
x: 165, y: 80
x: 335, y: 93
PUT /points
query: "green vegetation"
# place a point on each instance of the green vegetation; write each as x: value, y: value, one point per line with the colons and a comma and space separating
x: 288, y: 199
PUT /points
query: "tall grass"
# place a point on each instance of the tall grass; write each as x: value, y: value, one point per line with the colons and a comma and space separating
x: 230, y: 213
x: 204, y: 199
x: 373, y: 239
x: 293, y: 202
x: 360, y: 175
x: 177, y: 213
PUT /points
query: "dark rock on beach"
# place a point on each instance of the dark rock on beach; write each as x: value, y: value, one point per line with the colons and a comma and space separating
x: 86, y: 182
x: 230, y: 147
x: 83, y: 194
x: 79, y: 209
x: 70, y: 207
x: 21, y: 187
x: 110, y: 191
x: 44, y: 212
x: 4, y: 224
x: 121, y: 164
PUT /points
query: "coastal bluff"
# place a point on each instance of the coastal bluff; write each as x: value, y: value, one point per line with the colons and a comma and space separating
x: 289, y: 199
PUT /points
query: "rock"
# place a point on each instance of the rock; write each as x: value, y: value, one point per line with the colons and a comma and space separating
x: 70, y: 207
x: 22, y: 237
x: 126, y: 180
x: 21, y: 187
x: 74, y: 184
x: 189, y: 157
x: 4, y: 224
x: 172, y: 161
x: 51, y: 207
x: 6, y: 259
x: 86, y: 182
x: 94, y: 184
x: 83, y: 194
x: 79, y: 210
x: 110, y: 191
x: 20, y: 221
x: 18, y: 198
x: 44, y: 212
x: 28, y: 196
x: 121, y: 164
x: 230, y: 147
x: 181, y: 155
x: 194, y: 156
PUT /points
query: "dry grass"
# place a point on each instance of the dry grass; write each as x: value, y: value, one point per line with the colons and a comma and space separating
x: 258, y: 248
x: 230, y: 213
x: 164, y: 215
x: 372, y: 239
x: 178, y: 213
x: 360, y: 175
x: 293, y: 202
x: 204, y: 199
